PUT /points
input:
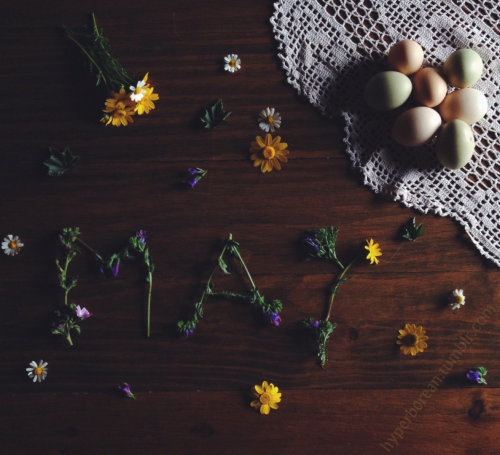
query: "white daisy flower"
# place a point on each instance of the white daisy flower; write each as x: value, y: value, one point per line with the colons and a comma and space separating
x: 233, y: 63
x: 11, y: 245
x: 269, y: 120
x: 139, y: 91
x: 456, y: 299
x: 38, y: 371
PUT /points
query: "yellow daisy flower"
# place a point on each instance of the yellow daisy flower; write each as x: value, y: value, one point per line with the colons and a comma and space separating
x: 119, y: 109
x: 119, y: 115
x: 267, y: 395
x: 268, y: 152
x: 412, y: 339
x: 373, y: 251
x: 146, y: 103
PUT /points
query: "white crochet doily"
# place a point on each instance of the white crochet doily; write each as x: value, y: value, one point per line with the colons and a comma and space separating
x: 331, y: 48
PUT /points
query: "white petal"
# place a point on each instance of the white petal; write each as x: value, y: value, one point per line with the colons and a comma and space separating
x: 29, y: 369
x: 272, y: 111
x: 9, y: 236
x: 33, y: 363
x: 34, y: 378
x: 44, y: 364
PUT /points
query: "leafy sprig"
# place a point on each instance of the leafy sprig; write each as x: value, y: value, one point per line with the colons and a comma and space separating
x: 270, y: 310
x: 322, y: 244
x: 69, y: 317
x: 411, y: 231
x: 215, y: 115
x: 60, y: 162
x: 96, y: 48
x: 138, y: 248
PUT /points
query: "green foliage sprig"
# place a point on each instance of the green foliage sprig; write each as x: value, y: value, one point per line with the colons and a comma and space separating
x: 95, y: 47
x: 60, y: 162
x: 69, y: 317
x: 215, y: 115
x: 138, y: 248
x: 322, y: 244
x: 411, y: 231
x: 270, y: 310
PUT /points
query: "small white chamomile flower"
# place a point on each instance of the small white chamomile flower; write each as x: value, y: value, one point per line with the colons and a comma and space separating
x: 456, y: 299
x: 38, y: 372
x: 11, y: 245
x: 232, y: 63
x: 269, y: 120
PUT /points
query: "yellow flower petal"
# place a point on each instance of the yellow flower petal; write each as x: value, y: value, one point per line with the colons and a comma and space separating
x: 268, y: 139
x: 258, y: 389
x: 273, y: 405
x: 276, y: 141
x: 265, y: 409
x: 259, y: 141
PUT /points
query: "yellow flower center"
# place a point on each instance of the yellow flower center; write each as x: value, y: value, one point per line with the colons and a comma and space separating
x: 12, y: 244
x: 38, y: 371
x: 459, y: 299
x: 232, y: 63
x: 265, y: 398
x: 410, y: 340
x: 270, y: 119
x: 268, y: 152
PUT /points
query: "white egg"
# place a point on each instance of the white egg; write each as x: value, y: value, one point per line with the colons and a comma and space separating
x: 416, y: 126
x: 468, y: 104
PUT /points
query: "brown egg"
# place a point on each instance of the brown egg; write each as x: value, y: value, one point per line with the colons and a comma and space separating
x: 406, y: 57
x: 429, y: 88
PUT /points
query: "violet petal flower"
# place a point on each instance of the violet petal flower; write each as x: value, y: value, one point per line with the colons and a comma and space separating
x: 311, y: 245
x: 141, y: 235
x: 125, y: 388
x: 274, y: 318
x: 192, y: 181
x: 82, y: 312
x: 189, y: 332
x: 315, y: 324
x: 474, y: 375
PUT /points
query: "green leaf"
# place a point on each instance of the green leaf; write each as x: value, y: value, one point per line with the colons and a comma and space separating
x: 223, y: 266
x: 411, y: 231
x: 215, y: 115
x: 59, y: 162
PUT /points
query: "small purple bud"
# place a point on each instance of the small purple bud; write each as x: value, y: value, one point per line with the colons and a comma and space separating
x: 274, y: 318
x: 141, y: 235
x: 192, y: 181
x: 311, y: 244
x: 193, y: 170
x: 115, y: 269
x: 189, y: 332
x: 474, y: 375
x: 315, y: 324
x: 125, y: 388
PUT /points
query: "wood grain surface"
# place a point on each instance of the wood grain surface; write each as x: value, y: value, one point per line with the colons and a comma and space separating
x: 193, y: 394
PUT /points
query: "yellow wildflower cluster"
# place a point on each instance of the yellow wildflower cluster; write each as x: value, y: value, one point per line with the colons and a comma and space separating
x: 122, y: 106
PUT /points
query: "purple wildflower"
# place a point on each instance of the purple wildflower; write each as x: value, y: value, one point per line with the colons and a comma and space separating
x: 82, y: 312
x: 189, y: 331
x: 192, y: 181
x: 193, y: 170
x: 311, y: 245
x: 274, y: 318
x: 125, y: 388
x: 315, y: 324
x: 141, y: 235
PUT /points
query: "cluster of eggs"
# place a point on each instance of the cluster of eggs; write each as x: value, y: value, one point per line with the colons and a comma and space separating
x: 458, y: 110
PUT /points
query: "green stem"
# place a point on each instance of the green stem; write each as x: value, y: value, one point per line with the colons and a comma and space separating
x: 89, y: 57
x: 149, y: 303
x: 81, y: 242
x: 68, y: 337
x: 335, y: 286
x: 238, y: 255
x: 65, y: 276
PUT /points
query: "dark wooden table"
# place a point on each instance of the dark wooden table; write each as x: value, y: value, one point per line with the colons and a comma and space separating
x: 193, y: 395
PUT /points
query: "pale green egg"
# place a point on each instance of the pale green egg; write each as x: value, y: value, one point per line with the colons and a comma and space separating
x: 455, y: 144
x: 387, y: 90
x: 463, y: 68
